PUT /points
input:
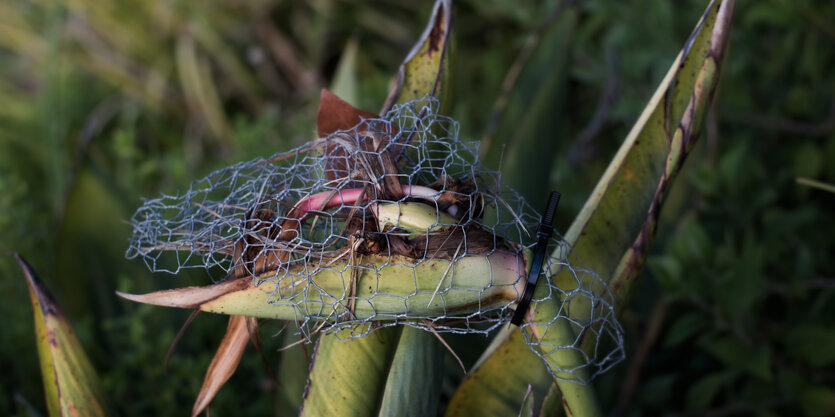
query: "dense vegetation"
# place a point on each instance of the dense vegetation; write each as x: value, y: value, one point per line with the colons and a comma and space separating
x: 106, y: 103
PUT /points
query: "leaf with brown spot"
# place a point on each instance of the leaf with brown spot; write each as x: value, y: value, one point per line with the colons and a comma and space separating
x: 612, y: 232
x: 226, y: 360
x: 71, y: 384
x: 429, y: 66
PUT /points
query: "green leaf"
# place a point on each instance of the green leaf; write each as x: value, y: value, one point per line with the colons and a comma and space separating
x: 667, y: 270
x: 811, y: 344
x: 428, y: 68
x: 527, y: 403
x: 491, y: 389
x: 412, y: 387
x: 199, y: 89
x: 345, y: 83
x: 701, y: 394
x: 657, y: 391
x: 525, y: 119
x: 293, y: 370
x: 685, y: 327
x: 613, y: 231
x: 71, y: 384
x: 734, y: 355
x: 348, y: 376
x: 552, y: 404
x: 92, y: 215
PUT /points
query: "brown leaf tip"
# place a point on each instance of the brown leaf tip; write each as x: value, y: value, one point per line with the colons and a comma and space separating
x: 48, y: 304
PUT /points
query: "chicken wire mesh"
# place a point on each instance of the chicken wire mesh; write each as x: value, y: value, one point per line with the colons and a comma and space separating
x: 393, y: 222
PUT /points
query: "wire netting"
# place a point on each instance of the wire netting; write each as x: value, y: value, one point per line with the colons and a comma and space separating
x: 393, y: 222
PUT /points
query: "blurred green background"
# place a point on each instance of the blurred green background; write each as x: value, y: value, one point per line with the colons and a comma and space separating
x: 104, y: 102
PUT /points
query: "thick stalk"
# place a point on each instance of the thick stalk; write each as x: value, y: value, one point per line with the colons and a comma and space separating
x: 386, y: 288
x: 559, y: 347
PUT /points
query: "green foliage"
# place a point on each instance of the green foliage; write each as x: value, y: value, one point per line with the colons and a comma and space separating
x: 99, y: 110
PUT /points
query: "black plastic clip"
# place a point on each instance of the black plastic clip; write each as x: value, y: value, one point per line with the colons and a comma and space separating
x: 543, y: 234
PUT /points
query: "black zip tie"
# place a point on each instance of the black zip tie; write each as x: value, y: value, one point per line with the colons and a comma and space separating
x: 543, y: 234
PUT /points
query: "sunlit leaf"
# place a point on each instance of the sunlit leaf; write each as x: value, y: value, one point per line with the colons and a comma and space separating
x: 612, y: 232
x: 428, y: 68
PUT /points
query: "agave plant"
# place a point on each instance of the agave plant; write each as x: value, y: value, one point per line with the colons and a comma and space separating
x: 386, y: 230
x: 388, y: 220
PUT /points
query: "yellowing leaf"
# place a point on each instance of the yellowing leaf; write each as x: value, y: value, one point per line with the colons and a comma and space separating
x: 71, y: 384
x: 428, y: 68
x: 613, y: 231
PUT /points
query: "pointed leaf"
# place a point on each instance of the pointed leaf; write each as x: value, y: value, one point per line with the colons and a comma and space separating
x: 226, y: 360
x: 71, y: 384
x: 611, y: 234
x: 199, y: 89
x: 428, y: 68
x: 345, y: 83
x: 613, y: 231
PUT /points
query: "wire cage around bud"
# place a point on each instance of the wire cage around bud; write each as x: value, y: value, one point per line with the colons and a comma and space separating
x: 394, y: 221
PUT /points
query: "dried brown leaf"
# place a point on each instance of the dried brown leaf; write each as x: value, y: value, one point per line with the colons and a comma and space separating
x: 223, y: 365
x: 336, y: 114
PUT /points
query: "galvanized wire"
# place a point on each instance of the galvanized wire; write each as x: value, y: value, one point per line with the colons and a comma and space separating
x: 286, y: 218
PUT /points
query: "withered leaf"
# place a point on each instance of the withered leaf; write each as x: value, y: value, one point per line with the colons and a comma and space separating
x: 336, y: 114
x: 226, y: 360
